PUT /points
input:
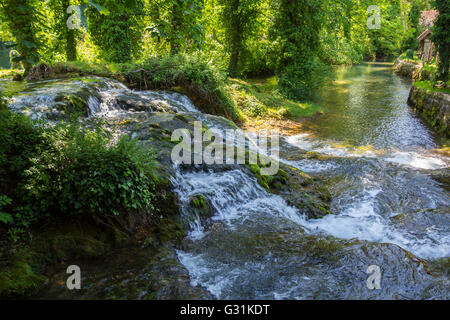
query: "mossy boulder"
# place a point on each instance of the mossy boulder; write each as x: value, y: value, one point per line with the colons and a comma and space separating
x: 201, y: 206
x: 18, y: 274
x: 298, y: 188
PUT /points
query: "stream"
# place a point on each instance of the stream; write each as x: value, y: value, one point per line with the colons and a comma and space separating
x: 376, y: 157
x: 388, y: 183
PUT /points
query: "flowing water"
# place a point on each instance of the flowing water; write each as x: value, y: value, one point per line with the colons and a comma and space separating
x: 376, y: 157
x: 389, y: 188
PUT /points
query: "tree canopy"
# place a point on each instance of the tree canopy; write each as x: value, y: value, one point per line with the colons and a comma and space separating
x: 293, y: 39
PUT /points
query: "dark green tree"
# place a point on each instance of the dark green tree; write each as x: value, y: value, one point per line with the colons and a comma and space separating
x: 296, y: 29
x: 441, y: 37
x: 177, y: 22
x: 238, y: 18
x: 65, y: 36
x: 23, y: 21
x: 117, y: 34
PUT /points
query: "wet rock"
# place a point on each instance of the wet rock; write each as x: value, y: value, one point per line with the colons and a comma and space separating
x: 201, y: 206
x: 298, y: 189
x: 134, y: 102
x: 129, y: 273
x: 406, y: 69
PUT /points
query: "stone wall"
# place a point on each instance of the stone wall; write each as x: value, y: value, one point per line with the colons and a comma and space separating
x: 433, y: 107
x: 406, y: 69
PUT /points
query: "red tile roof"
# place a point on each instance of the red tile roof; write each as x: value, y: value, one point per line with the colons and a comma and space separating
x: 424, y: 35
x: 427, y: 18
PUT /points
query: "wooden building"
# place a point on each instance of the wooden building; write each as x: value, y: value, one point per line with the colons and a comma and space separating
x: 426, y: 46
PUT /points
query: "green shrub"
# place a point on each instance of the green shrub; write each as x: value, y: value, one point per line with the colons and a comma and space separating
x: 19, y: 142
x: 298, y: 81
x: 193, y: 74
x: 410, y: 54
x: 79, y: 173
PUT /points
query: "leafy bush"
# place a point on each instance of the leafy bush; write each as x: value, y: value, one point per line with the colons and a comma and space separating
x: 118, y: 34
x: 79, y: 173
x: 441, y: 37
x: 300, y: 80
x: 19, y: 142
x: 66, y: 170
x: 410, y: 54
x: 194, y: 74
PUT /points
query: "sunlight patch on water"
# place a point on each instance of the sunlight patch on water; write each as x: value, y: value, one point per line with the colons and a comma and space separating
x: 416, y: 160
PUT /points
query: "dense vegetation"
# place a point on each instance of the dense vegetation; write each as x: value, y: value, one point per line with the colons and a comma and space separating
x: 441, y: 36
x: 242, y: 59
x: 66, y: 171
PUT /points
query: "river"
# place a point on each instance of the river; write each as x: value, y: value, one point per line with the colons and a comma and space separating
x: 377, y: 159
x: 389, y: 191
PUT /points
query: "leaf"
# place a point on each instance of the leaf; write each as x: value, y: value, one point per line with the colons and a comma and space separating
x: 99, y: 8
x: 28, y: 44
x: 6, y: 218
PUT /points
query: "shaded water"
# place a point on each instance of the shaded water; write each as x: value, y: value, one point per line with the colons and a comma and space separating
x: 389, y: 191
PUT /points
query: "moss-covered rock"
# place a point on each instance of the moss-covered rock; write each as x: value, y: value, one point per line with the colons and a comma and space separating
x: 201, y: 206
x: 407, y: 69
x: 18, y: 274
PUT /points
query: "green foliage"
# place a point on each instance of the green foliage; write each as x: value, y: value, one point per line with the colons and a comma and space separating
x: 117, y: 34
x: 65, y: 170
x: 19, y: 142
x: 24, y: 22
x: 409, y: 54
x: 5, y: 217
x: 344, y: 38
x: 296, y: 30
x: 387, y: 40
x: 80, y: 174
x: 238, y: 18
x: 429, y: 86
x: 177, y: 23
x: 260, y: 98
x: 441, y: 37
x: 65, y: 36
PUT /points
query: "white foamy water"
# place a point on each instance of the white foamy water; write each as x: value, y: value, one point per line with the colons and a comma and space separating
x: 415, y: 160
x: 408, y: 158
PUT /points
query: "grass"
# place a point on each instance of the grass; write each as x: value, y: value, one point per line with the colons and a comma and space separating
x: 428, y: 85
x: 9, y: 73
x: 260, y: 98
x: 415, y: 59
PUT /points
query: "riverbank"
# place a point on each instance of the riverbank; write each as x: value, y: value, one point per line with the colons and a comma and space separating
x: 407, y: 68
x: 248, y: 102
x: 430, y: 103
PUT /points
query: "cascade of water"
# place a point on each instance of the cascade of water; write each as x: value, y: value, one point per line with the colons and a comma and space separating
x: 254, y: 235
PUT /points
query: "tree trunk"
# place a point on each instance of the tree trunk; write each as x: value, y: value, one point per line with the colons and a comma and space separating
x: 71, y: 46
x: 177, y: 24
x: 236, y: 41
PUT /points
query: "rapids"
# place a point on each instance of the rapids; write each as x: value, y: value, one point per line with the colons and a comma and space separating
x: 377, y: 158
